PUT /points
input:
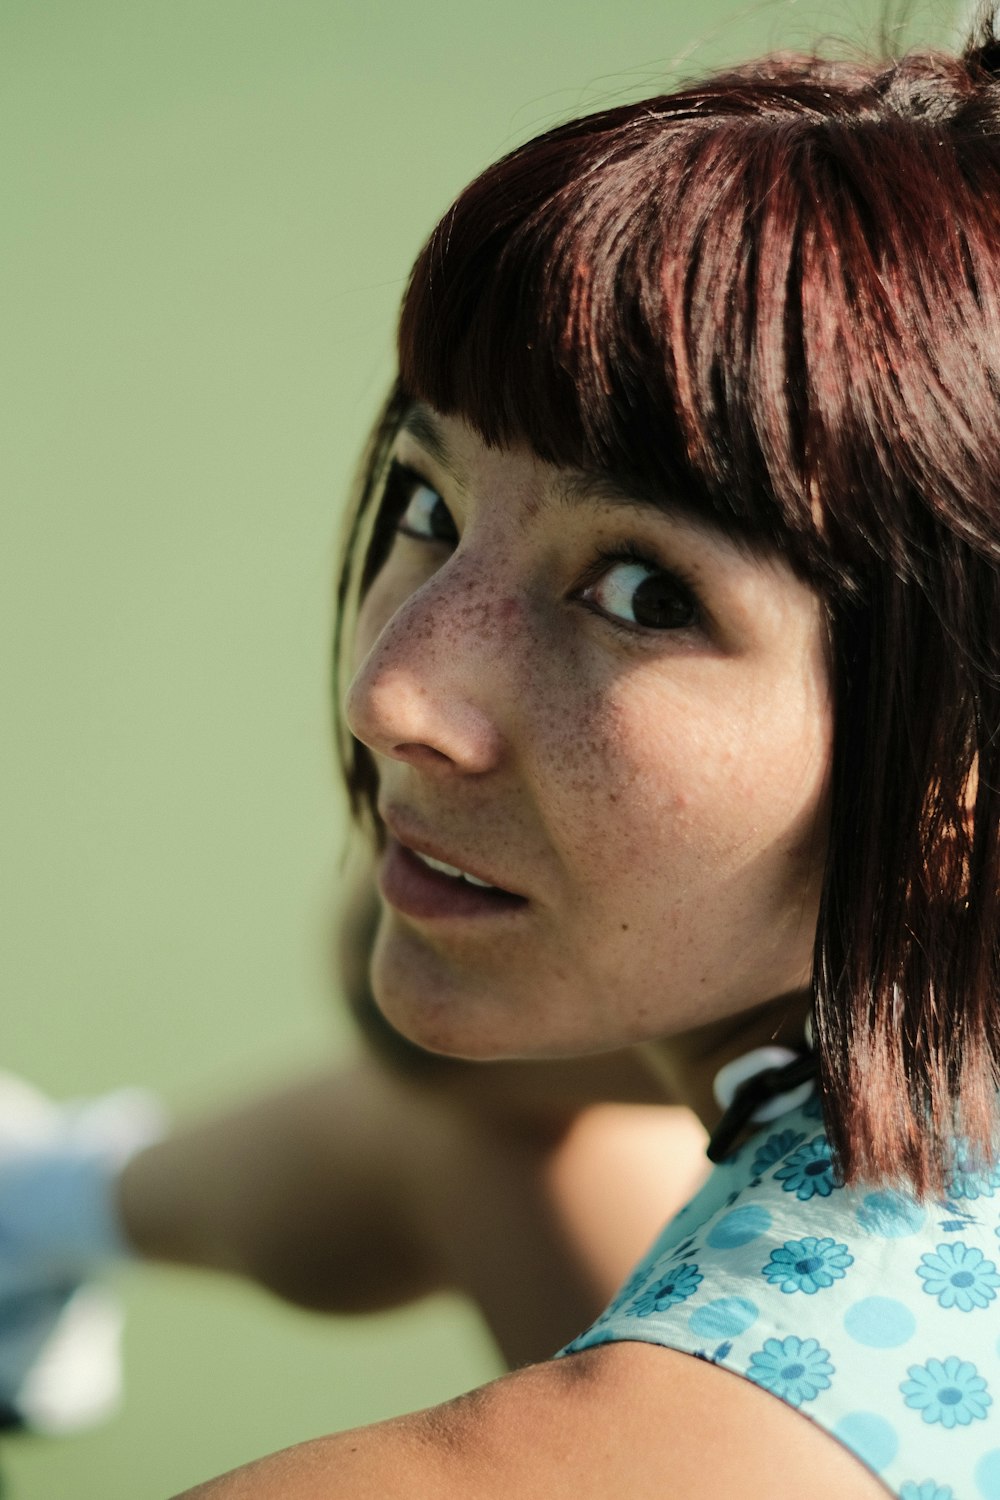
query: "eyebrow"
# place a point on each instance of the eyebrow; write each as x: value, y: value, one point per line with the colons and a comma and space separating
x: 595, y: 487
x: 421, y: 424
x: 578, y: 487
x: 575, y: 488
x: 583, y: 486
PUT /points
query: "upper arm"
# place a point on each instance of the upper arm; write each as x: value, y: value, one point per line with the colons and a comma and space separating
x: 633, y: 1421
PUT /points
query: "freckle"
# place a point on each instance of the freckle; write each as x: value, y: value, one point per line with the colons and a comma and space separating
x: 624, y: 927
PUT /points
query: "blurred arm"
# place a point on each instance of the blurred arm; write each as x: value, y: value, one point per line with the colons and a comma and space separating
x: 366, y: 1189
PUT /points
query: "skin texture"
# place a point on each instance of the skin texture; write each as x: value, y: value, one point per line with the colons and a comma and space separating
x: 659, y: 796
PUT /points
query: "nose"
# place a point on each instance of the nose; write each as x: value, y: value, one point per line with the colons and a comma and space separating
x: 429, y: 689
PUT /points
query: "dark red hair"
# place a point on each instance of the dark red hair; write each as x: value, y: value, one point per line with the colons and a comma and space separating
x: 774, y: 298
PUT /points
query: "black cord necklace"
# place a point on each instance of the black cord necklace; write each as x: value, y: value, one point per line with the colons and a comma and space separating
x: 754, y: 1092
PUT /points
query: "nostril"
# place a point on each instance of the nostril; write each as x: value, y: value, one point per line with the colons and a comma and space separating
x: 418, y: 754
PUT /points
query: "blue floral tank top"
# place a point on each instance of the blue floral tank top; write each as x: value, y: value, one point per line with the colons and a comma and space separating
x: 873, y: 1314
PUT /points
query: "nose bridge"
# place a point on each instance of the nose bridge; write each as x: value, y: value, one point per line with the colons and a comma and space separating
x: 434, y: 676
x: 462, y: 601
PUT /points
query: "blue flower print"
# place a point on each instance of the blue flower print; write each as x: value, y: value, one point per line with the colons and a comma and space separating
x: 676, y: 1286
x: 794, y: 1369
x: 959, y: 1276
x: 807, y: 1265
x: 950, y: 1392
x: 971, y: 1178
x: 614, y: 1307
x: 622, y: 1296
x: 809, y: 1171
x: 773, y: 1149
x: 929, y: 1490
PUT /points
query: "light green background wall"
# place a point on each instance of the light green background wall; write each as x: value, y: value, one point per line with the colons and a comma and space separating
x: 208, y: 211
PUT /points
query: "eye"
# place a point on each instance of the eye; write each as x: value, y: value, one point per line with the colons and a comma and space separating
x: 425, y: 517
x: 639, y: 594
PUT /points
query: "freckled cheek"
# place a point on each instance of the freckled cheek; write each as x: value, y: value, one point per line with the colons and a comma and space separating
x: 633, y: 790
x: 615, y: 791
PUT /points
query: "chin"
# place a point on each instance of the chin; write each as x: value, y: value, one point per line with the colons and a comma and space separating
x: 443, y: 1003
x: 470, y: 1013
x: 435, y: 1016
x: 435, y: 1027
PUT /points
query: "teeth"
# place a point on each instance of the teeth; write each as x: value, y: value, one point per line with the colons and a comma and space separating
x: 439, y: 864
x: 453, y: 871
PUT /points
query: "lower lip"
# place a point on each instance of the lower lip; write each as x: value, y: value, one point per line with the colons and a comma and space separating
x: 415, y: 890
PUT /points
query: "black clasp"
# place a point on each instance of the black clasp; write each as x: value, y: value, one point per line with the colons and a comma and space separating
x: 752, y: 1094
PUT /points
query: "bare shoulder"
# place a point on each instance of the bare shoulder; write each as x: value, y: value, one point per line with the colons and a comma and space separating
x: 641, y: 1421
x: 622, y: 1422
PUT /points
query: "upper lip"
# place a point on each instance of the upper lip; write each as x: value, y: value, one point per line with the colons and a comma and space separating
x: 404, y: 833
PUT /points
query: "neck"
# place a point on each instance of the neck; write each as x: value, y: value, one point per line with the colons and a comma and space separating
x: 688, y: 1063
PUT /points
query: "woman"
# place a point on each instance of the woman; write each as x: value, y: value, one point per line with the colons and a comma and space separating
x: 675, y: 717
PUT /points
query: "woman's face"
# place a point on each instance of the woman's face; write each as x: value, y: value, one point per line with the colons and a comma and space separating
x: 615, y: 717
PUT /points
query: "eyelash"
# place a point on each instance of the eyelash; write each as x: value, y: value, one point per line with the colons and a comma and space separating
x: 635, y: 553
x: 400, y: 486
x: 402, y: 481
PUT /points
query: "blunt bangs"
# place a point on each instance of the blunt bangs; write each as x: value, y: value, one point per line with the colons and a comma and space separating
x: 757, y: 299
